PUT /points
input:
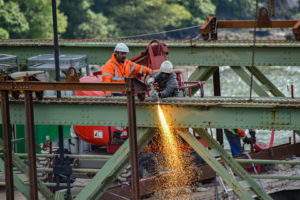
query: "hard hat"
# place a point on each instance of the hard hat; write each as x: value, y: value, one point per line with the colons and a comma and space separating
x: 121, y: 47
x: 166, y: 67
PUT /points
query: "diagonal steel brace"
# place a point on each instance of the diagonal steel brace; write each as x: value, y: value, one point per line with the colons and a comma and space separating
x: 237, y: 168
x: 114, y: 167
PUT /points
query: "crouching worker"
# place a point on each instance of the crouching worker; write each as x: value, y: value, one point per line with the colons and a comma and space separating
x: 166, y: 80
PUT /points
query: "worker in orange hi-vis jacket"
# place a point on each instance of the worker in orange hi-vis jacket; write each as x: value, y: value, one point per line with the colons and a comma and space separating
x: 118, y: 68
x: 234, y: 138
x: 115, y: 71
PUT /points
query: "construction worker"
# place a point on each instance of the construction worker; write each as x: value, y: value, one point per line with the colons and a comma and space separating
x: 115, y: 71
x: 234, y: 138
x: 118, y: 68
x: 166, y: 80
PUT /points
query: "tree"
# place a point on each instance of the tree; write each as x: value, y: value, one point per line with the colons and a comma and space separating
x: 235, y: 9
x: 200, y: 10
x: 138, y: 16
x: 12, y: 22
x: 83, y: 22
x: 39, y: 16
x: 94, y: 27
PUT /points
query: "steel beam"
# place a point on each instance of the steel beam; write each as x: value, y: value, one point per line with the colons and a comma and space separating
x: 221, y: 112
x: 6, y: 129
x: 265, y: 81
x: 30, y: 145
x: 24, y: 169
x: 18, y: 183
x: 217, y: 92
x: 238, y: 169
x: 220, y: 169
x: 246, y: 78
x: 201, y: 73
x: 132, y: 139
x: 112, y: 168
x: 193, y: 53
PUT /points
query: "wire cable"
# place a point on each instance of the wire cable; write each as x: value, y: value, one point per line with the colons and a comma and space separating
x: 156, y: 33
x: 253, y: 49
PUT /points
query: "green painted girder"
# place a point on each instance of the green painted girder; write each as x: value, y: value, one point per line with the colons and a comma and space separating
x: 18, y: 183
x: 236, y: 168
x: 221, y: 112
x: 216, y: 165
x: 201, y: 73
x: 193, y: 53
x: 247, y: 79
x: 43, y: 189
x: 265, y: 81
x: 114, y: 167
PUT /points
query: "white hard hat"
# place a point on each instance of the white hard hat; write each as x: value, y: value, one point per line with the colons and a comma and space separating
x: 166, y: 67
x: 121, y: 47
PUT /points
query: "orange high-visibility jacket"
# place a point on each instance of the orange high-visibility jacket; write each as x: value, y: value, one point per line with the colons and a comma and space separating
x: 115, y: 72
x: 240, y: 132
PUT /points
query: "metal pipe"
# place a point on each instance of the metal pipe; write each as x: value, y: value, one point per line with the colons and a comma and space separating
x: 276, y: 177
x: 52, y: 184
x: 217, y: 92
x: 56, y: 47
x: 6, y: 130
x: 268, y: 161
x: 25, y: 155
x: 132, y: 138
x: 30, y: 145
x: 93, y: 171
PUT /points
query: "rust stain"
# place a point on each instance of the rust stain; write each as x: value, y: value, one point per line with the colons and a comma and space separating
x: 274, y: 117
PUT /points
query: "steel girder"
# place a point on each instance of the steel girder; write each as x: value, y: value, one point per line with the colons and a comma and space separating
x: 247, y: 79
x: 194, y: 53
x: 18, y: 182
x: 221, y: 112
x: 210, y: 159
x: 113, y: 168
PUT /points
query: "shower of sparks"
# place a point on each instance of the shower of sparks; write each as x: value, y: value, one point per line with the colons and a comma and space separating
x: 173, y: 161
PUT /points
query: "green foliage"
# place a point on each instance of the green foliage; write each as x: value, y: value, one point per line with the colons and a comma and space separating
x: 4, y: 34
x: 39, y: 16
x: 83, y: 22
x: 200, y: 10
x: 12, y: 21
x: 235, y: 9
x: 139, y: 16
x: 95, y: 26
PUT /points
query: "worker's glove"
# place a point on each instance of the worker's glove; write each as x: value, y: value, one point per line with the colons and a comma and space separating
x: 247, y: 140
x: 153, y: 93
x: 150, y: 81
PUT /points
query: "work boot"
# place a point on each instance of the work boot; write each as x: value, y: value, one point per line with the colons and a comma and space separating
x: 117, y: 141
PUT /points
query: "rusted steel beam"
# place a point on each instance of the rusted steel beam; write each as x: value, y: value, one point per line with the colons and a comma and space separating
x: 40, y: 86
x: 132, y: 138
x: 6, y: 130
x: 250, y: 24
x: 208, y: 30
x: 217, y: 92
x: 296, y: 30
x: 30, y: 145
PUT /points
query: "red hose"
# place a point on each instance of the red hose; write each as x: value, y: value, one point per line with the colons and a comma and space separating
x: 272, y: 138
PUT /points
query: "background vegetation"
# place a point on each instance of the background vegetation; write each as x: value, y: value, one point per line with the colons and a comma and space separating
x: 79, y: 19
